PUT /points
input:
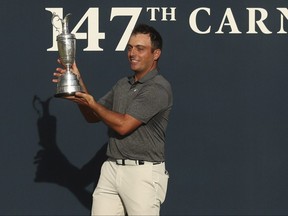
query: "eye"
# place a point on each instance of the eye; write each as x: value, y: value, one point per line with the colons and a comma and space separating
x: 140, y: 48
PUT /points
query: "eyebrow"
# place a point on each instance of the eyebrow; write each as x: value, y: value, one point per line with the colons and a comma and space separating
x: 138, y: 45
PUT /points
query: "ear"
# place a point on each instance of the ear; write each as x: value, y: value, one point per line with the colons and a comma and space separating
x: 156, y: 54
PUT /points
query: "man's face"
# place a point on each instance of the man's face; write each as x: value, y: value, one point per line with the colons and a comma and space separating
x: 140, y: 54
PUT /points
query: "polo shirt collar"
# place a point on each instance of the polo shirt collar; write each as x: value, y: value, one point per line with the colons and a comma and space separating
x: 147, y: 77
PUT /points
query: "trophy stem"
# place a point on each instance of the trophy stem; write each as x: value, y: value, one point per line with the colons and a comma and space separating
x: 68, y: 68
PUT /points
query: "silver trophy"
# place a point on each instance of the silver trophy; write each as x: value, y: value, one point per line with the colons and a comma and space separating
x: 68, y: 82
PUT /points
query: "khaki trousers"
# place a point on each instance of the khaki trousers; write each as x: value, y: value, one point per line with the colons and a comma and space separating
x: 130, y: 189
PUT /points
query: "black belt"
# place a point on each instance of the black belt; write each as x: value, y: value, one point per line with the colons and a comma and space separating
x: 128, y: 162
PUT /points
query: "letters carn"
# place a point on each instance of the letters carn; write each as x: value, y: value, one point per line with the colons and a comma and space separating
x: 230, y: 21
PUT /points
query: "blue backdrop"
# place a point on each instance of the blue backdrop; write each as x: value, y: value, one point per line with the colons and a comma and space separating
x: 227, y: 138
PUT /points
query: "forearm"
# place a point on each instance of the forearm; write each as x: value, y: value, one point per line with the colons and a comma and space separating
x: 121, y: 123
x: 86, y: 111
x: 112, y: 119
x: 88, y: 114
x: 93, y: 112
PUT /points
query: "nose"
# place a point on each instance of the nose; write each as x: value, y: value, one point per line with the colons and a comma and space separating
x: 131, y: 51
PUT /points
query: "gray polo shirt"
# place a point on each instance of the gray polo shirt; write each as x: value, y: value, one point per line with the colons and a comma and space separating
x: 148, y: 100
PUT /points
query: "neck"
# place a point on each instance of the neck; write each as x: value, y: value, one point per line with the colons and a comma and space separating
x: 139, y: 75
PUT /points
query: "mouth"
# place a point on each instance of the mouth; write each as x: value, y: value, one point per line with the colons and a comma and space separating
x: 133, y: 62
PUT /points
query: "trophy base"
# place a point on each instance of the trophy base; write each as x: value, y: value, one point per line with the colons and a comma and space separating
x: 64, y: 94
x: 67, y: 91
x: 68, y: 85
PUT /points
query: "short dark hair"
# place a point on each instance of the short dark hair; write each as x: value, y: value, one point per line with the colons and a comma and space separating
x: 156, y: 39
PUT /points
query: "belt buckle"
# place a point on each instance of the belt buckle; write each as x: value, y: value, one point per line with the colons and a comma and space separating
x: 140, y: 162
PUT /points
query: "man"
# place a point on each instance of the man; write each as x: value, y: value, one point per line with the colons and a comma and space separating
x: 133, y: 180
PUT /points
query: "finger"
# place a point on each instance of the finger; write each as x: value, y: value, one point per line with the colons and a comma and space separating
x: 80, y: 94
x: 57, y: 74
x: 69, y: 97
x: 60, y: 70
x: 56, y: 77
x: 74, y: 98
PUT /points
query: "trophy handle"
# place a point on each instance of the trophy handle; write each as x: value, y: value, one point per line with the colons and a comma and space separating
x: 52, y: 21
x: 64, y: 22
